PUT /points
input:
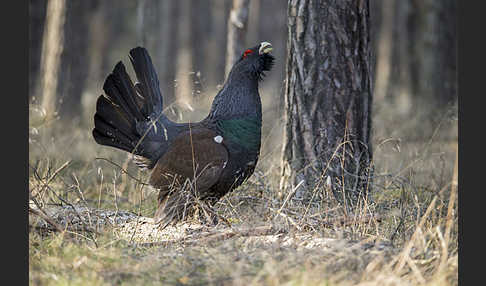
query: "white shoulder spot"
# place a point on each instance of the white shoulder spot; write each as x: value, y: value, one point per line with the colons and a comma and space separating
x: 218, y: 139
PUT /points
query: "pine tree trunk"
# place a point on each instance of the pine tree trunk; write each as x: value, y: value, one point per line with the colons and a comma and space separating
x: 75, y: 58
x: 184, y: 88
x: 328, y: 99
x: 37, y: 19
x: 217, y: 44
x: 433, y: 28
x: 423, y: 54
x: 168, y: 47
x: 101, y: 36
x: 200, y: 22
x: 52, y: 47
x: 382, y: 34
x: 397, y: 88
x: 237, y: 26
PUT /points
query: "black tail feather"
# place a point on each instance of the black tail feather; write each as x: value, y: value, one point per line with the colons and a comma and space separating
x: 107, y: 134
x: 127, y: 110
x: 119, y: 88
x: 147, y: 77
x: 129, y: 116
x: 114, y: 116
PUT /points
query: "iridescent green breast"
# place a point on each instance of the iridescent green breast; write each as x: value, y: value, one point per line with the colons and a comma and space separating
x: 245, y: 131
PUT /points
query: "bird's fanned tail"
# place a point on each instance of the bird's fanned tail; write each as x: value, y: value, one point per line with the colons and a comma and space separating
x: 129, y: 116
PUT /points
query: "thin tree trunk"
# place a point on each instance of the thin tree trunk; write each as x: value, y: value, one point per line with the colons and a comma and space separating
x: 75, y: 58
x: 184, y: 91
x: 383, y: 48
x: 254, y: 25
x: 101, y: 34
x: 237, y: 26
x: 37, y: 19
x: 168, y: 34
x: 220, y: 10
x: 398, y: 85
x: 328, y: 99
x: 423, y: 67
x: 433, y: 54
x: 141, y: 34
x: 200, y: 22
x: 52, y: 48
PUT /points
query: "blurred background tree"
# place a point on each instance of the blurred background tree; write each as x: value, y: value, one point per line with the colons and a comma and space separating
x: 415, y: 51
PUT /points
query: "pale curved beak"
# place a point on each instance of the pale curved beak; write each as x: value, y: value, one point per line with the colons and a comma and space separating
x: 265, y: 48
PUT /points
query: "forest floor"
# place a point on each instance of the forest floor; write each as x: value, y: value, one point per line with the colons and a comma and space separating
x: 90, y: 220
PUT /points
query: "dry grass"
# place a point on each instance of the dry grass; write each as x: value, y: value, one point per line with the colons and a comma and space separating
x: 406, y: 234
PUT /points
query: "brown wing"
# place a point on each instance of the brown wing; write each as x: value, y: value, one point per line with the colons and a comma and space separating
x: 193, y: 154
x: 194, y: 150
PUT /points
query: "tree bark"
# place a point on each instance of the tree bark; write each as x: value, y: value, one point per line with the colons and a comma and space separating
x: 52, y: 47
x: 327, y: 99
x: 237, y: 26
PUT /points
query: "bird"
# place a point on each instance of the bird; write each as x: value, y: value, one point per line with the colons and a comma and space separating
x: 212, y: 156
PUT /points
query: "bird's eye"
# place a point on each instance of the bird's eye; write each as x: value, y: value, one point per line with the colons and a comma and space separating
x: 247, y: 52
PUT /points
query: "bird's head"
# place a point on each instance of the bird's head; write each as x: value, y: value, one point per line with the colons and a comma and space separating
x: 257, y: 59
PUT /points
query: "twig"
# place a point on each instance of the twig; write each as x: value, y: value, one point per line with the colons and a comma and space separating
x: 46, y: 183
x: 291, y: 193
x: 46, y: 217
x: 124, y: 171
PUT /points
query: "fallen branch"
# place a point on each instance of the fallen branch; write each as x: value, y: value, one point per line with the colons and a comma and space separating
x: 48, y: 219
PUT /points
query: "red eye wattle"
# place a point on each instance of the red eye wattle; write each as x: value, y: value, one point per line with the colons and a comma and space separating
x: 247, y: 52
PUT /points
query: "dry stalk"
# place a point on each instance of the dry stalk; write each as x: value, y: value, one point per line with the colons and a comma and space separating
x: 402, y: 258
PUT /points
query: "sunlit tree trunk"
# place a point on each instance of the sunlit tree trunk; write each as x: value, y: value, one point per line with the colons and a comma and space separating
x: 52, y: 47
x: 168, y: 46
x: 184, y: 88
x: 237, y: 27
x: 327, y: 99
x: 382, y: 45
x: 141, y: 19
x: 37, y: 17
